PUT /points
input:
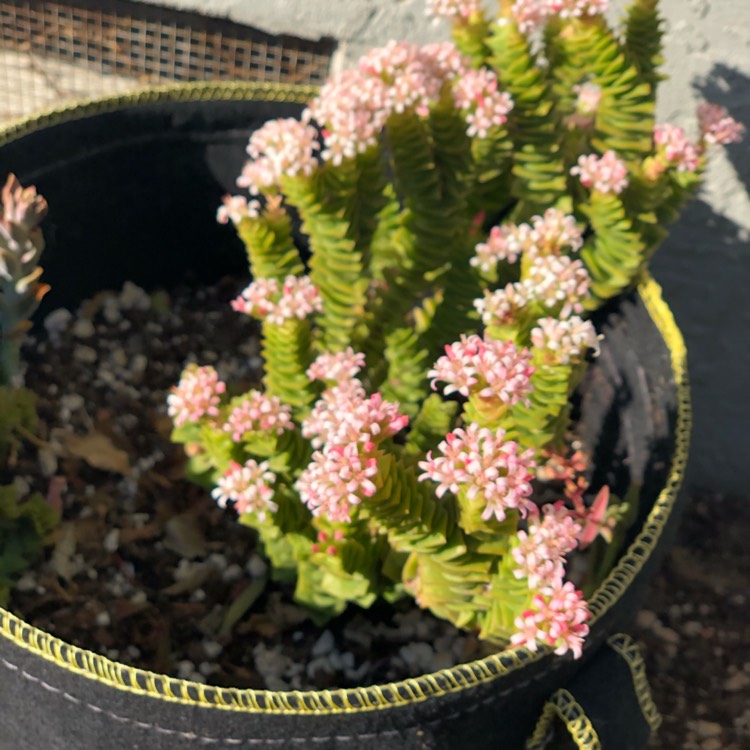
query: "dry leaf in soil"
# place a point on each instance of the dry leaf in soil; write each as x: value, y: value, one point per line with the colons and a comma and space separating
x: 98, y: 451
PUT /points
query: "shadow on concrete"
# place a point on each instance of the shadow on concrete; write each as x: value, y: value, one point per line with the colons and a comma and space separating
x: 704, y: 268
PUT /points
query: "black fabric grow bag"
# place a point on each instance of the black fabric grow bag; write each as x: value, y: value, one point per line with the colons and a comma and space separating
x: 133, y: 184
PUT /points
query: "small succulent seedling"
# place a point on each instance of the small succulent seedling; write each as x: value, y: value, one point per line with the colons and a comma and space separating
x: 25, y: 522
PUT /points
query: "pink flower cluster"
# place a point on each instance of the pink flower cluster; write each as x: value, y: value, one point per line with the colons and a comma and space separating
x: 258, y: 412
x: 530, y: 14
x: 554, y: 281
x: 676, y: 147
x: 414, y: 76
x: 196, y: 395
x: 353, y: 106
x: 459, y: 9
x: 553, y: 232
x: 717, y: 126
x: 235, y: 208
x: 491, y: 369
x: 565, y: 341
x: 557, y: 618
x: 606, y: 174
x: 559, y: 282
x: 476, y: 93
x: 350, y: 109
x: 505, y: 242
x: 346, y: 415
x: 337, y: 479
x: 481, y: 462
x: 334, y: 367
x: 540, y: 551
x: 503, y: 306
x: 548, y: 234
x: 250, y: 486
x: 347, y: 426
x: 280, y: 148
x: 267, y: 299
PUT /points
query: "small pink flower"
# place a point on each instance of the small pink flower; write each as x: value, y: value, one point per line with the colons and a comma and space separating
x: 258, y: 412
x: 249, y: 486
x: 475, y: 92
x: 488, y: 368
x: 676, y: 147
x: 196, y: 395
x: 235, y: 208
x: 540, y: 552
x: 281, y: 148
x: 717, y: 126
x: 565, y: 341
x: 333, y: 367
x: 337, y: 479
x: 484, y: 464
x: 557, y: 618
x: 589, y: 96
x: 606, y: 174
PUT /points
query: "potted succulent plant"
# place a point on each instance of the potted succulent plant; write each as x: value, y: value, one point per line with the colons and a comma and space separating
x: 472, y: 392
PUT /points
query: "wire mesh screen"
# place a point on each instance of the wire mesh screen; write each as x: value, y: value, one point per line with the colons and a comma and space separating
x: 54, y: 52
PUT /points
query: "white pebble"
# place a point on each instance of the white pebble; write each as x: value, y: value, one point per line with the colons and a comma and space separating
x: 231, y: 573
x: 212, y: 649
x: 321, y: 664
x: 256, y: 566
x: 103, y: 620
x: 72, y: 401
x: 418, y: 656
x: 111, y: 310
x: 139, y: 363
x: 139, y: 597
x: 57, y: 322
x: 112, y: 540
x: 84, y: 354
x: 207, y: 668
x: 21, y: 486
x: 132, y: 297
x: 324, y: 645
x: 218, y: 560
x: 26, y: 582
x: 83, y: 328
x: 185, y: 668
x: 198, y: 595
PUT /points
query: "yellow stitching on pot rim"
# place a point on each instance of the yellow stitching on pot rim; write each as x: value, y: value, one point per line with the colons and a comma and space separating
x: 201, y: 91
x: 565, y: 707
x: 627, y: 648
x: 379, y: 697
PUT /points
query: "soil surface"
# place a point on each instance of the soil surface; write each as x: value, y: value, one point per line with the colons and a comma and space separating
x: 694, y: 629
x: 186, y: 591
x: 145, y: 568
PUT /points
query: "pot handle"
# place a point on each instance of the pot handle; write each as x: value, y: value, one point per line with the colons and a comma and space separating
x: 607, y: 706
